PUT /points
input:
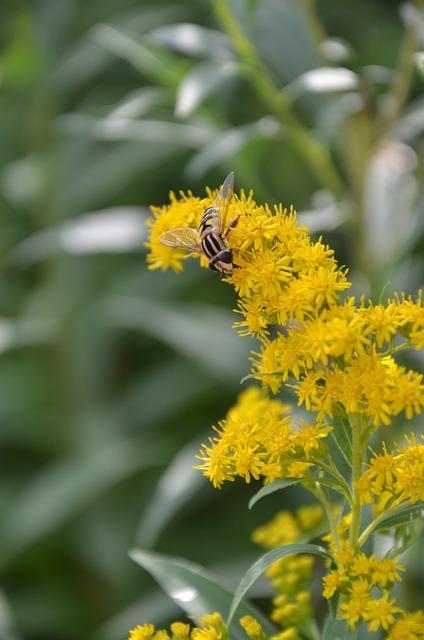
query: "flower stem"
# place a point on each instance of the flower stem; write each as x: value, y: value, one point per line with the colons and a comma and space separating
x: 333, y: 471
x: 374, y: 524
x: 357, y: 455
x: 322, y: 497
x: 310, y: 148
x: 398, y: 93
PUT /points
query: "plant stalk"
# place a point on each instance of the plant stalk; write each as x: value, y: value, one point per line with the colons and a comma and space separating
x: 321, y: 495
x: 357, y: 456
x: 310, y: 148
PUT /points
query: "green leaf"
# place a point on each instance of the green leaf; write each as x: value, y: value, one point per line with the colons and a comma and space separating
x: 231, y: 142
x: 325, y: 79
x: 403, y: 516
x: 157, y: 65
x: 186, y: 329
x: 343, y: 439
x: 258, y: 568
x: 336, y: 630
x: 154, y: 606
x: 192, y: 40
x: 335, y: 485
x: 200, y: 82
x: 175, y: 490
x: 283, y: 35
x: 8, y: 630
x: 194, y: 590
x: 65, y: 488
x: 277, y: 485
x: 333, y: 603
x: 114, y: 129
x: 405, y: 537
x: 395, y: 518
x: 114, y: 230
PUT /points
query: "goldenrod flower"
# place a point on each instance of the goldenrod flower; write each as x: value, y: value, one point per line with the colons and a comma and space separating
x: 142, y: 632
x: 360, y: 588
x: 380, y: 612
x: 180, y: 630
x: 338, y: 358
x: 381, y: 470
x: 252, y: 627
x: 211, y: 620
x: 394, y: 478
x: 207, y: 633
x: 410, y: 626
x: 310, y: 516
x: 353, y: 610
x: 332, y: 582
x: 309, y: 437
x: 386, y: 571
x: 282, y: 529
x: 161, y: 634
x: 288, y: 634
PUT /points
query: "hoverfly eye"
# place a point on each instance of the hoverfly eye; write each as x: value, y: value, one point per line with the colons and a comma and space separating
x: 226, y: 256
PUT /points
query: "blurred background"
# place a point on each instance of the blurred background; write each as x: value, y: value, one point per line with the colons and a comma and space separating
x: 106, y: 387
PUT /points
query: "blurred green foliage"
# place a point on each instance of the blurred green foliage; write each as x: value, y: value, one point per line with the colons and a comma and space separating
x: 107, y: 381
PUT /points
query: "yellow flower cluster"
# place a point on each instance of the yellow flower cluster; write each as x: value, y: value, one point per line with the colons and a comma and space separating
x: 257, y: 440
x: 211, y: 627
x: 409, y: 626
x: 394, y: 478
x: 338, y: 357
x: 365, y: 584
x: 335, y: 362
x: 281, y: 274
x: 290, y: 576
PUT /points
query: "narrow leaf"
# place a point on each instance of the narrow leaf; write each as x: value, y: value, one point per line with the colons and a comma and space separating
x: 277, y: 485
x: 114, y: 230
x: 157, y: 65
x: 192, y: 39
x: 186, y: 330
x: 194, y: 590
x: 65, y: 488
x: 8, y: 627
x: 258, y: 568
x: 142, y: 130
x: 336, y: 630
x: 327, y: 79
x: 342, y: 437
x: 229, y: 143
x: 174, y: 491
x: 403, y: 516
x: 199, y: 83
x: 405, y: 538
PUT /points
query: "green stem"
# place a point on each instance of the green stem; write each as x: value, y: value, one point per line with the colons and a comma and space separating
x: 310, y: 148
x: 331, y: 470
x: 357, y: 456
x: 322, y: 497
x: 315, y: 23
x: 398, y: 93
x: 399, y: 347
x: 374, y: 524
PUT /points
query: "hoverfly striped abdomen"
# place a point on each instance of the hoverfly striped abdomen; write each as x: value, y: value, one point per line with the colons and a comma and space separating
x: 209, y: 221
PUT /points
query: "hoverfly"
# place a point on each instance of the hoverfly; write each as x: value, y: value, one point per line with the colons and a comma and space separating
x: 210, y: 239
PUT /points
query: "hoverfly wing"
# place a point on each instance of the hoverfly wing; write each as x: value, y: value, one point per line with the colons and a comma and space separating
x: 183, y: 238
x: 223, y: 200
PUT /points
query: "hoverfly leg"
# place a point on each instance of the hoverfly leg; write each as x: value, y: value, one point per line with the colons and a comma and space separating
x: 231, y: 226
